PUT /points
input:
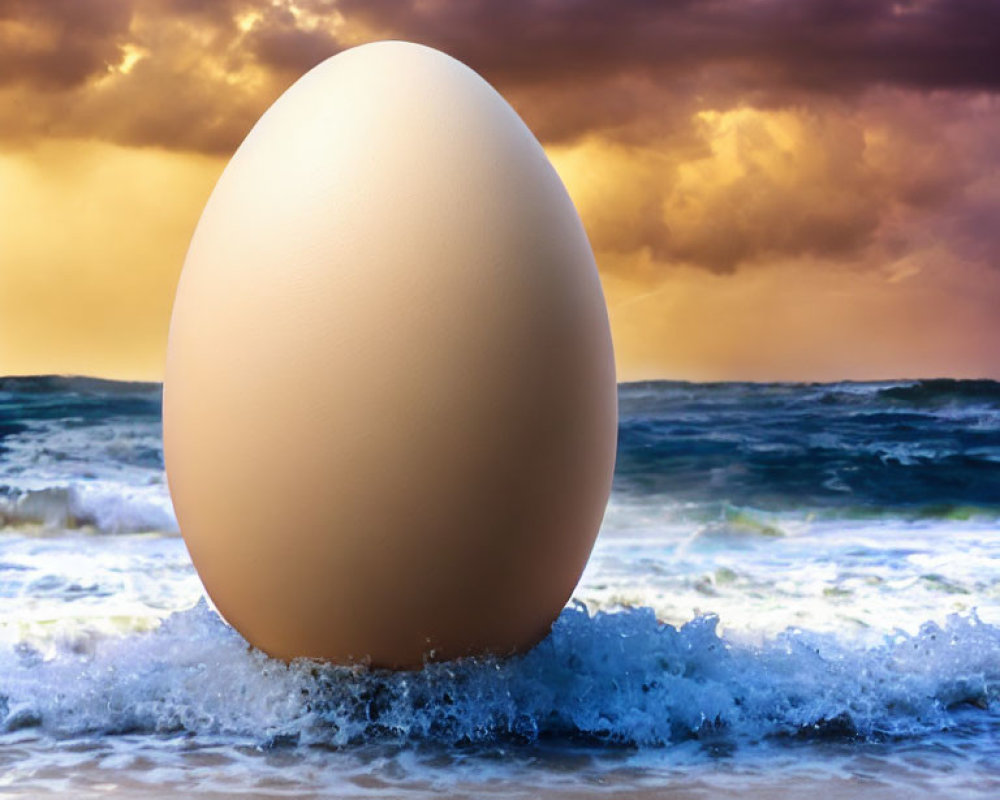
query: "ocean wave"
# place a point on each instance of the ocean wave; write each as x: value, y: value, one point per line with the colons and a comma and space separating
x: 906, y: 447
x: 938, y: 392
x: 909, y: 447
x: 615, y: 678
x: 75, y: 384
x: 107, y: 508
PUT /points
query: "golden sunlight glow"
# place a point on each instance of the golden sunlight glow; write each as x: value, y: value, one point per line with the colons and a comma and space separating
x: 97, y: 255
x: 247, y: 20
x: 131, y: 55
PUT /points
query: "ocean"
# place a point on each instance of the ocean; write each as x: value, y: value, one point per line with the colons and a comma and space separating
x: 796, y: 588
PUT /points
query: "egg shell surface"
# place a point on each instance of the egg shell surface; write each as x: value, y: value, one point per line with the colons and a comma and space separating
x: 389, y: 403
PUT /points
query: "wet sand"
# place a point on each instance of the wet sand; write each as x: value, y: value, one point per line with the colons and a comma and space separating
x: 874, y: 772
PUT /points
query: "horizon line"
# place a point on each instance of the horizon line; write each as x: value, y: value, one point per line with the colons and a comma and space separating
x: 103, y: 379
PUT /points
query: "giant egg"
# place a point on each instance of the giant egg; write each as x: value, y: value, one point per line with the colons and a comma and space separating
x: 389, y: 405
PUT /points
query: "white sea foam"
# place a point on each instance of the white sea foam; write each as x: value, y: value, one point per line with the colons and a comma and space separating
x: 621, y: 677
x: 108, y: 476
x: 108, y: 507
x: 743, y: 636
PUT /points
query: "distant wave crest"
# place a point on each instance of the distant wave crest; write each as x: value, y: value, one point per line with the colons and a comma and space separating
x: 943, y: 391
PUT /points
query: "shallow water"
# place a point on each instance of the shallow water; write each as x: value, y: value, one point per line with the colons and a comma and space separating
x: 794, y: 585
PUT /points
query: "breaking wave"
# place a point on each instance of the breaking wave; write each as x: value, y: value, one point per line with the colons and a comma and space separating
x: 617, y: 678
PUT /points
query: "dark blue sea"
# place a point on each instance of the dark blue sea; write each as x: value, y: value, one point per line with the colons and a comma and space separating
x: 796, y: 588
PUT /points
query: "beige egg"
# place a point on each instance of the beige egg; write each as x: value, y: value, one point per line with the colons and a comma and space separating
x: 389, y: 407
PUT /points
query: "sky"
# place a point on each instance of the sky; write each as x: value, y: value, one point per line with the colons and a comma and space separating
x: 774, y: 189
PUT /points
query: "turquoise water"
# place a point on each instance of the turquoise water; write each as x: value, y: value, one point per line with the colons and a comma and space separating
x: 794, y: 584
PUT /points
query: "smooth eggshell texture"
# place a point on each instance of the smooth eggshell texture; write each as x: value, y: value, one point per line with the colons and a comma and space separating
x: 390, y: 406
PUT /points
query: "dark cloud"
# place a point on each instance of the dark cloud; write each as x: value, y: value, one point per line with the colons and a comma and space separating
x: 195, y: 74
x: 718, y: 52
x: 816, y: 44
x: 60, y: 44
x: 217, y: 12
x: 570, y: 67
x: 279, y: 43
x: 167, y: 73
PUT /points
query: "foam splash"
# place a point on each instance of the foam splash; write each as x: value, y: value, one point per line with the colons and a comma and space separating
x: 82, y: 453
x: 620, y: 678
x: 105, y: 507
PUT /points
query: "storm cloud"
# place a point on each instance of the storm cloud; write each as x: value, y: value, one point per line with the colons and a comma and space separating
x: 740, y: 132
